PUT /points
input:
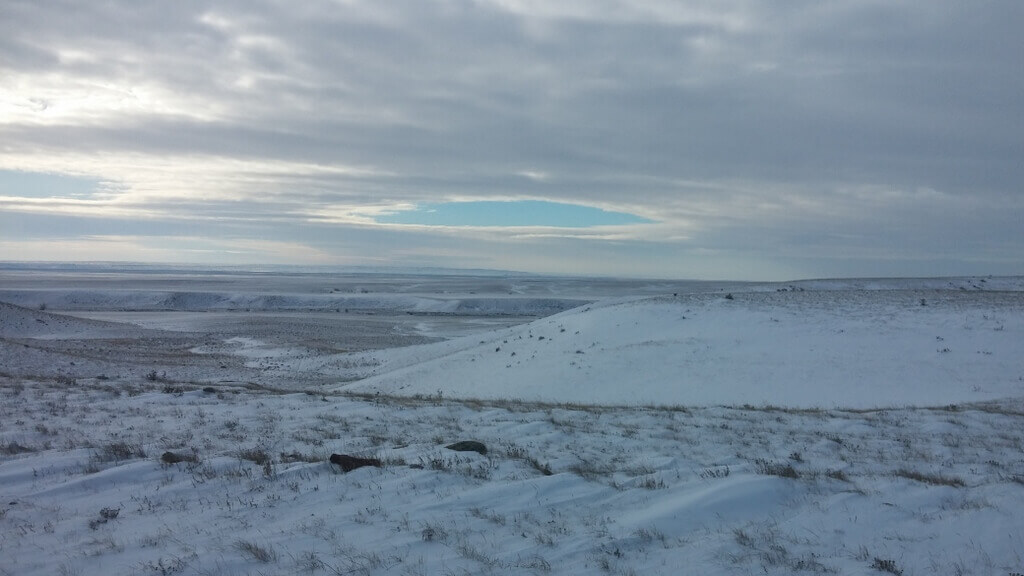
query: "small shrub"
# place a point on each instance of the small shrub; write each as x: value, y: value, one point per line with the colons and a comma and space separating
x: 434, y: 533
x: 886, y: 565
x: 119, y: 451
x: 837, y: 475
x: 776, y: 469
x: 652, y: 483
x: 933, y: 479
x: 544, y: 468
x: 12, y: 448
x: 166, y: 566
x: 709, y: 473
x: 265, y: 555
x: 257, y: 455
x: 519, y: 453
x: 592, y: 470
x: 106, y: 515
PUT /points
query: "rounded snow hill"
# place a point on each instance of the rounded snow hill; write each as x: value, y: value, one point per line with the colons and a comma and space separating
x: 801, y: 349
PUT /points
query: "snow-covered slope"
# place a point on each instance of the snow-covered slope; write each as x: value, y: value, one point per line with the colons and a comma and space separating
x: 19, y: 322
x: 852, y: 349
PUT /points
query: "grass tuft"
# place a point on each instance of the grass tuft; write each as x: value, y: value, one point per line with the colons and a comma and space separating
x: 886, y: 565
x: 259, y: 553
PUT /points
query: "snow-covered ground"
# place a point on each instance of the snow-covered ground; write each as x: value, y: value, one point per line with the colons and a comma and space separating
x: 846, y: 427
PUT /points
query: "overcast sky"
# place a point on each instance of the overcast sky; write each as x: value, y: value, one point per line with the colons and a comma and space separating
x: 733, y: 139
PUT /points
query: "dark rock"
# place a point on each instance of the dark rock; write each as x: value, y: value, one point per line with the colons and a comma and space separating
x: 468, y: 446
x: 350, y: 463
x: 172, y: 458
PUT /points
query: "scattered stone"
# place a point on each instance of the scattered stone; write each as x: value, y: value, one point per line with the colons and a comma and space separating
x: 468, y: 446
x: 350, y: 463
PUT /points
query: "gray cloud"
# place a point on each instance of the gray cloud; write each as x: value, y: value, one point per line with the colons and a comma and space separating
x: 788, y: 139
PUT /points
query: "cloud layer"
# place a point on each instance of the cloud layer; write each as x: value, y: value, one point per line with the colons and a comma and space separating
x: 761, y: 140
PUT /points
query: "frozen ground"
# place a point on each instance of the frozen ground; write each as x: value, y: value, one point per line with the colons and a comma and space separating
x: 846, y: 427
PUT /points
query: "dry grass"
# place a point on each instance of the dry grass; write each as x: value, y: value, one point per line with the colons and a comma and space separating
x: 933, y: 479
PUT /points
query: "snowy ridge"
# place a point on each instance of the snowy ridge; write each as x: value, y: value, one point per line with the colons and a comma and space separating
x: 962, y: 283
x: 149, y: 300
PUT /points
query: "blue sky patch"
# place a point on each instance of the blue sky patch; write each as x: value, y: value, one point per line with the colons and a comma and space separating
x: 40, y: 185
x: 518, y: 213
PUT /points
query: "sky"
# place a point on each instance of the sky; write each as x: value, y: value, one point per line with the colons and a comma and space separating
x: 719, y: 139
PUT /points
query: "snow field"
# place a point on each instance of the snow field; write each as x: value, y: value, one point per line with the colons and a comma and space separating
x: 820, y: 427
x: 562, y: 490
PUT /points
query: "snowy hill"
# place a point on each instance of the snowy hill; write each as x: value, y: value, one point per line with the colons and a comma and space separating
x: 851, y: 349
